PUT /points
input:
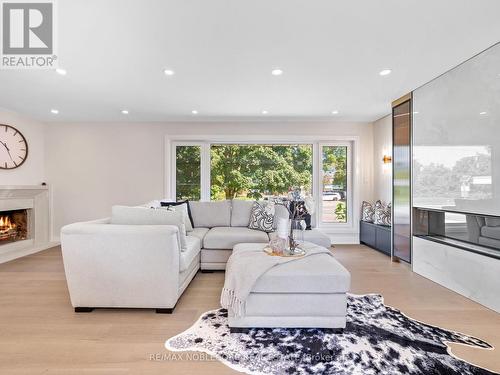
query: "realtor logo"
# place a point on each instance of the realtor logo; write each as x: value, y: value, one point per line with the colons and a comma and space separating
x: 28, y: 31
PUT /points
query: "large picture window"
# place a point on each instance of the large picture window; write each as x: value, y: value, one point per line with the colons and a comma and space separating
x: 259, y: 171
x: 226, y: 170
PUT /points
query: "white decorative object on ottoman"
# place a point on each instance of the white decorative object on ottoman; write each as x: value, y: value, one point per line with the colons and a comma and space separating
x: 303, y: 293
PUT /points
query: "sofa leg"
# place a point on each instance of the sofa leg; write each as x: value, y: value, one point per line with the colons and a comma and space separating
x: 207, y: 271
x: 84, y: 309
x: 165, y: 311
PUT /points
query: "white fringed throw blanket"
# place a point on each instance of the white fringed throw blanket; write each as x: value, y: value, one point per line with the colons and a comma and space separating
x: 244, y: 268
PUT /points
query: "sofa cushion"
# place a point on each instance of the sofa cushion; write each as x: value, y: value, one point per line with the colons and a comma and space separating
x: 193, y: 248
x: 124, y: 215
x: 227, y: 237
x: 491, y: 232
x: 493, y: 222
x: 211, y: 214
x: 240, y: 212
x: 199, y: 233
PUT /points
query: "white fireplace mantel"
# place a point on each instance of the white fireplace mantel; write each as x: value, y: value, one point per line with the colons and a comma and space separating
x: 36, y: 198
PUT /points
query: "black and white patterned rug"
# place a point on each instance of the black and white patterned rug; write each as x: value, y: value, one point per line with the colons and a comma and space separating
x: 378, y: 339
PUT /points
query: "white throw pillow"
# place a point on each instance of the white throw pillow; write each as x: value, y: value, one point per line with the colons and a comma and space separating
x: 184, y: 209
x: 125, y: 215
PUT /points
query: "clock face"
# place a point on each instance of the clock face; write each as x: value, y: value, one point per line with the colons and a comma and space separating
x: 13, y: 147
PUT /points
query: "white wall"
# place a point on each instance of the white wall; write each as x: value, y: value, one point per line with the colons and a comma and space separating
x: 32, y: 172
x: 92, y: 166
x: 382, y: 145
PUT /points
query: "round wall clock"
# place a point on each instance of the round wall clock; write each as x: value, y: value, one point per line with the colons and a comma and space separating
x: 13, y: 147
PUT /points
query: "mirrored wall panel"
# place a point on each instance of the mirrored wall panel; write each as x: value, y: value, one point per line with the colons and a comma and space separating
x: 456, y: 138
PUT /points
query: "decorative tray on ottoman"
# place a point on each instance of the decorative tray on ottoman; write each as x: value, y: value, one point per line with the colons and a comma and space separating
x: 286, y: 253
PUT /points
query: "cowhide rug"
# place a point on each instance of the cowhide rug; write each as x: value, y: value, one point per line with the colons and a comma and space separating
x: 378, y: 339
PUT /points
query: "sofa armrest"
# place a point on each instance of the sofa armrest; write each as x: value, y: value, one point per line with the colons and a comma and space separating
x: 111, y: 265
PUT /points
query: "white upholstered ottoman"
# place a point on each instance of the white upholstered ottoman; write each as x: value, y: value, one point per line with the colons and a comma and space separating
x: 304, y: 293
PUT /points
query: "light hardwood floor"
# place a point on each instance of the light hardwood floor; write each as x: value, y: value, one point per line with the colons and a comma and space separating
x: 40, y: 333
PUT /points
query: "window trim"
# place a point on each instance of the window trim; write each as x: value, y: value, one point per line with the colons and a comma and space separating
x: 205, y: 142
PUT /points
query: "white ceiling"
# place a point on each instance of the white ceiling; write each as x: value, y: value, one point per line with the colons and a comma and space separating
x: 223, y: 52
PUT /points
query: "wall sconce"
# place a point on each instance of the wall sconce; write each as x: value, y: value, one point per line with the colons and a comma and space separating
x: 387, y: 159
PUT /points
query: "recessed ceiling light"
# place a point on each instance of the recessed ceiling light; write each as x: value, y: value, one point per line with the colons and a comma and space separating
x: 124, y: 112
x: 194, y: 112
x: 385, y: 72
x: 276, y: 72
x: 168, y: 72
x: 335, y: 112
x: 264, y: 112
x: 54, y: 111
x: 61, y: 71
x: 483, y: 113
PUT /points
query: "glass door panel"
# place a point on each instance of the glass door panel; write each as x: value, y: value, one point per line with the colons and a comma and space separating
x: 401, y: 218
x: 334, y: 184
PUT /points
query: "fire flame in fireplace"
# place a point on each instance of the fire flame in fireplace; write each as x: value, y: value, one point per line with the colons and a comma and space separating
x: 6, y: 225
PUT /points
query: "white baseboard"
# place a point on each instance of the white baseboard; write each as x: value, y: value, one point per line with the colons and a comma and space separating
x: 14, y: 254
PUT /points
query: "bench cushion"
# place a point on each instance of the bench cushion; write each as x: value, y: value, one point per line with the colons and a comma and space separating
x: 227, y: 237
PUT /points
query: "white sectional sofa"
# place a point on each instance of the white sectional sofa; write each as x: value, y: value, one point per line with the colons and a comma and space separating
x: 124, y: 264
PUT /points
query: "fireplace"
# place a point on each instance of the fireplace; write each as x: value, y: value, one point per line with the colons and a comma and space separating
x: 14, y: 226
x: 25, y: 220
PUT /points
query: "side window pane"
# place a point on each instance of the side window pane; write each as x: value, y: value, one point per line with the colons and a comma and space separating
x: 259, y: 171
x: 188, y: 172
x: 334, y: 184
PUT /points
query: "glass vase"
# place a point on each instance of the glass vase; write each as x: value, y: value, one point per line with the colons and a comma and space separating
x: 296, y: 236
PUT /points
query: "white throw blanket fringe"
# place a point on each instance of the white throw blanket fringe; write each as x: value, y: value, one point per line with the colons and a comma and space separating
x: 244, y: 268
